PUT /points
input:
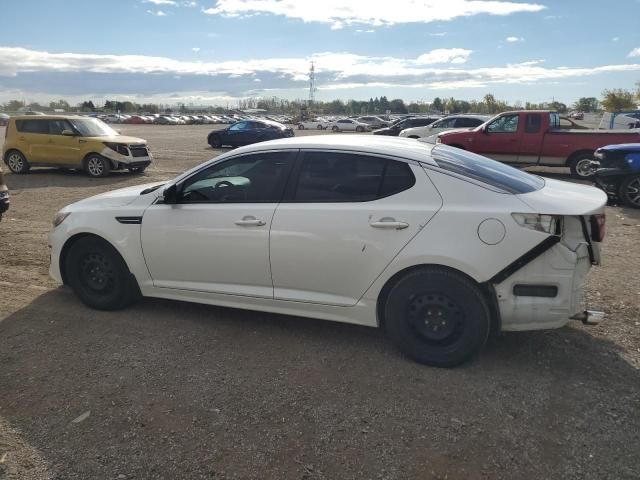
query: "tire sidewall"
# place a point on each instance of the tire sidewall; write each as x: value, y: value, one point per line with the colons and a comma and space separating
x: 622, y: 192
x: 214, y: 141
x: 574, y: 164
x: 468, y: 298
x: 106, y: 166
x: 25, y: 163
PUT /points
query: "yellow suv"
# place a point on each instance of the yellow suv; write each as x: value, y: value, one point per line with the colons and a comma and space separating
x: 71, y: 142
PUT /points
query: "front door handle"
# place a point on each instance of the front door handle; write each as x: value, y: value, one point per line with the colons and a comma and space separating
x: 389, y: 223
x: 250, y: 221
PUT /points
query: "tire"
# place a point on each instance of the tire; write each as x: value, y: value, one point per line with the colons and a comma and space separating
x: 335, y: 129
x: 435, y: 294
x: 137, y: 169
x: 97, y: 166
x: 359, y: 129
x: 214, y: 141
x: 579, y: 167
x: 17, y: 162
x: 99, y: 276
x: 629, y: 191
x: 300, y: 127
x: 319, y: 127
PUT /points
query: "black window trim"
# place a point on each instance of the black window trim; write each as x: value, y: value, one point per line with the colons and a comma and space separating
x: 294, y: 177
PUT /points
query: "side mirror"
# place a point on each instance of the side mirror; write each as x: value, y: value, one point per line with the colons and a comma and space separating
x: 170, y: 195
x: 68, y: 133
x: 485, y: 130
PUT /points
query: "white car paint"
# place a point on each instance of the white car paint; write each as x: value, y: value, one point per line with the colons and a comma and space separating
x: 443, y: 125
x: 323, y: 260
x: 316, y: 124
x: 348, y: 125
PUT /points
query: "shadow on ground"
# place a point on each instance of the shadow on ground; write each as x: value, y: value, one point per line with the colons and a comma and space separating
x: 178, y: 390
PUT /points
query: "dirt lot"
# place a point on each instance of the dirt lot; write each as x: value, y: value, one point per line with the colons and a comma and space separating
x: 167, y: 390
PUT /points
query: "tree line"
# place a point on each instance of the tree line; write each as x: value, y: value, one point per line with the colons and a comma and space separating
x: 611, y: 100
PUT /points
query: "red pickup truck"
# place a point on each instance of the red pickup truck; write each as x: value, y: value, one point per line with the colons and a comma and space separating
x: 534, y: 137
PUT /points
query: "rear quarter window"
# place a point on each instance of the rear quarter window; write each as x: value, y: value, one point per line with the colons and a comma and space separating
x: 32, y: 126
x: 485, y: 170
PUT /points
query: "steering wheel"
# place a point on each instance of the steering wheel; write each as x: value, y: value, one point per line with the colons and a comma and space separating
x: 224, y: 183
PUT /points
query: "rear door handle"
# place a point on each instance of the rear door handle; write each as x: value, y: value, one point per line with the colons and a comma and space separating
x: 250, y: 221
x: 389, y: 223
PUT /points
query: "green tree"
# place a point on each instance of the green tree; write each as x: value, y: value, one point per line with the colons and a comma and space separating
x: 87, y: 106
x: 437, y: 105
x: 397, y: 106
x: 618, y: 99
x: 558, y: 107
x: 586, y: 104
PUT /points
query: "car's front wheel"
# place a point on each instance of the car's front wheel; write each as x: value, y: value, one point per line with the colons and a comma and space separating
x: 437, y: 317
x: 214, y: 141
x: 359, y: 129
x: 319, y: 126
x: 629, y: 191
x: 17, y: 162
x: 335, y: 129
x: 97, y: 166
x: 300, y: 127
x: 581, y: 166
x: 99, y: 276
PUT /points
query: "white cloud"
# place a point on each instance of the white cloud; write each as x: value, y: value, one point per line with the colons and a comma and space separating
x: 162, y: 2
x: 615, y: 39
x: 444, y: 55
x: 189, y: 4
x: 438, y: 69
x: 158, y: 13
x: 514, y: 39
x: 196, y: 49
x: 635, y: 52
x: 438, y: 34
x: 340, y: 12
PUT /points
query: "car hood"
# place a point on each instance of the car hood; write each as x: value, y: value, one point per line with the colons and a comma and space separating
x: 625, y: 147
x: 565, y: 198
x: 454, y: 130
x: 120, y: 197
x: 118, y: 139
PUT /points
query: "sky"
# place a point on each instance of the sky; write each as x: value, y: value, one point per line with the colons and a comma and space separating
x: 217, y: 51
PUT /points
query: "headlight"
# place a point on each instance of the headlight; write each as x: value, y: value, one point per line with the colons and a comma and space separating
x: 540, y: 223
x: 118, y: 147
x: 598, y: 155
x: 438, y: 140
x: 59, y: 218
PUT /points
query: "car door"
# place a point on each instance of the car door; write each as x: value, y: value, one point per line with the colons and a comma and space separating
x: 33, y: 137
x: 500, y: 139
x: 344, y: 219
x: 215, y: 238
x: 442, y: 126
x: 530, y: 144
x: 237, y: 134
x: 63, y: 149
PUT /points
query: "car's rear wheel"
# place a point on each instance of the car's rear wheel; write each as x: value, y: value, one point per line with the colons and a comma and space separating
x: 629, y: 191
x: 300, y: 127
x: 437, y: 317
x: 17, y: 162
x: 335, y: 129
x: 97, y: 166
x: 214, y: 141
x: 99, y: 276
x: 359, y: 129
x: 580, y: 166
x: 319, y: 127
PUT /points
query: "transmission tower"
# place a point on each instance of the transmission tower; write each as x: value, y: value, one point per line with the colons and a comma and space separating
x: 312, y: 84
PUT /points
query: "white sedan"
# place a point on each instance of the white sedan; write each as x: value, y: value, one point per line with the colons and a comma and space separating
x: 315, y: 124
x: 348, y: 125
x: 436, y: 245
x: 452, y: 122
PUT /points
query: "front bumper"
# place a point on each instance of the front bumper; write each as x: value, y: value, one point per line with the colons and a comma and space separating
x: 125, y: 161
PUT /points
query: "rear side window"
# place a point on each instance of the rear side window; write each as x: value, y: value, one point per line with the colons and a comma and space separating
x: 485, y: 170
x: 346, y: 177
x: 32, y: 126
x: 533, y: 123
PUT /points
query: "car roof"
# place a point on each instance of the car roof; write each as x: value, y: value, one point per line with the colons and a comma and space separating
x: 47, y: 117
x: 407, y: 148
x: 466, y: 115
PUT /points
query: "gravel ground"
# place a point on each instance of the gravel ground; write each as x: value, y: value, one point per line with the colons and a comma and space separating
x: 173, y: 390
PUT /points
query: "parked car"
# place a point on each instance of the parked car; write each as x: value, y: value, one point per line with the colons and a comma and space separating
x: 373, y: 121
x: 71, y: 142
x: 314, y: 124
x: 247, y: 132
x: 437, y: 245
x: 395, y: 128
x: 620, y: 120
x: 4, y: 119
x: 348, y: 125
x: 165, y: 120
x: 618, y: 172
x: 534, y: 138
x: 577, y: 115
x: 136, y: 119
x: 451, y: 122
x: 4, y: 195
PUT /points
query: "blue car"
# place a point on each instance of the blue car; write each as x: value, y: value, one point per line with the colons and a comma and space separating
x: 247, y: 132
x: 618, y: 172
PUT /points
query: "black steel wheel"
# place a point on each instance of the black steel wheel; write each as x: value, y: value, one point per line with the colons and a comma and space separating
x: 437, y: 316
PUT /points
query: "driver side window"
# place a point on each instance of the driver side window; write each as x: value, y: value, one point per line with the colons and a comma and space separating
x: 258, y: 178
x: 506, y: 124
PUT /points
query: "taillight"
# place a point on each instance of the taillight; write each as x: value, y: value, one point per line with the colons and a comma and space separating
x: 597, y: 227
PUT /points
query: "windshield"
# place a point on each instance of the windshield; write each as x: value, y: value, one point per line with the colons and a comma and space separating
x: 92, y: 127
x: 485, y: 170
